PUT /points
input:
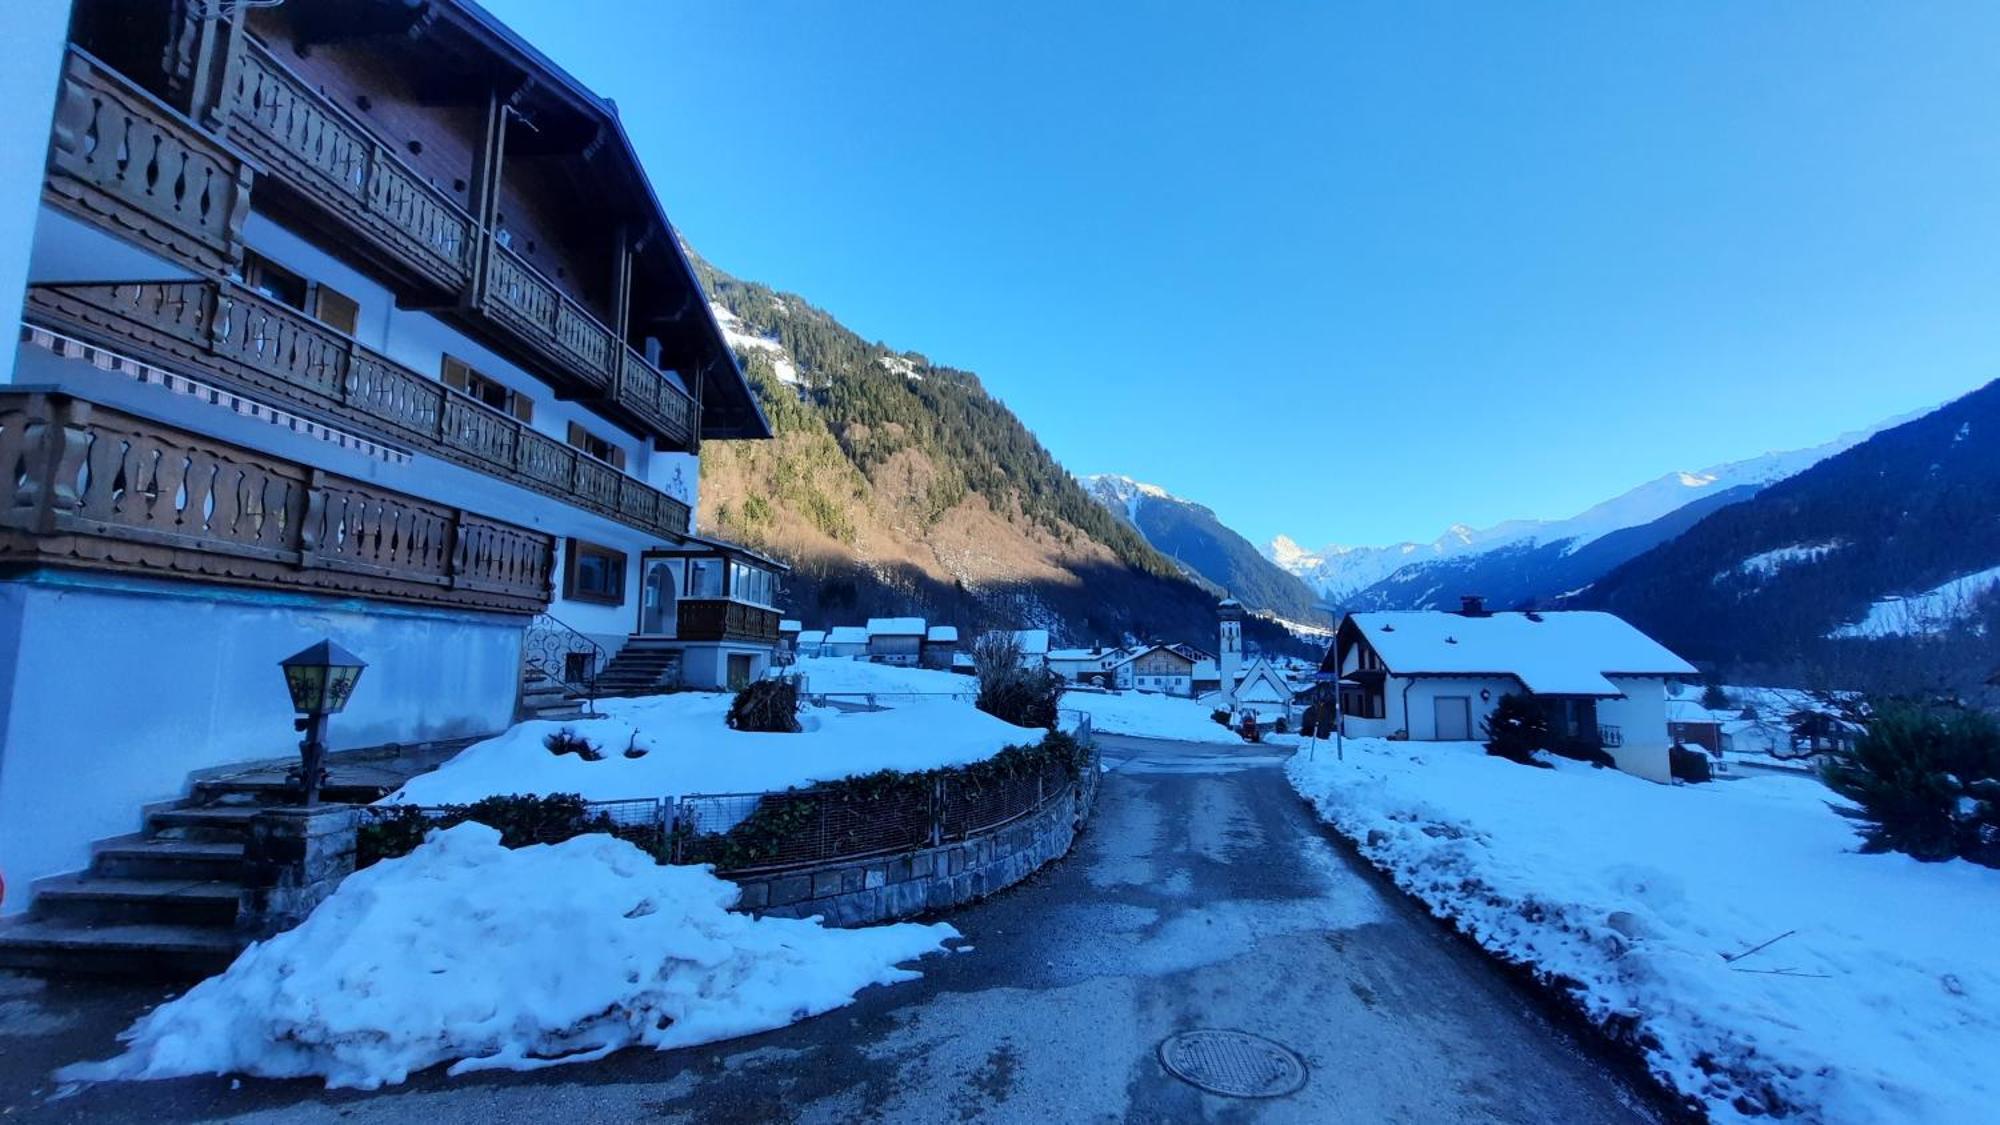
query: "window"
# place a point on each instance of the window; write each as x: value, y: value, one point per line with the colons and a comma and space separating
x: 593, y: 574
x: 596, y: 446
x: 318, y: 300
x: 705, y: 578
x: 459, y: 376
x: 751, y: 584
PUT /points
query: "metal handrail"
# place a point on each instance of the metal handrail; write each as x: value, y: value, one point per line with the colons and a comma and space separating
x: 546, y: 647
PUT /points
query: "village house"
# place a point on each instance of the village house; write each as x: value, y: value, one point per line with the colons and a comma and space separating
x: 1262, y: 689
x: 1434, y: 676
x: 1155, y: 668
x: 1085, y: 665
x: 940, y: 646
x: 358, y: 322
x: 812, y: 642
x: 849, y: 641
x: 896, y: 640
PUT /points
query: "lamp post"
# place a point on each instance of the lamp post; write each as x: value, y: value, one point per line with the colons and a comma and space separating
x: 321, y: 679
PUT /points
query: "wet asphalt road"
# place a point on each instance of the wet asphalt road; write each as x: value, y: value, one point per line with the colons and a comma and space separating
x: 1203, y: 894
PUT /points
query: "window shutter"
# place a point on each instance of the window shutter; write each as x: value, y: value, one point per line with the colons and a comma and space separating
x: 524, y: 407
x: 457, y: 375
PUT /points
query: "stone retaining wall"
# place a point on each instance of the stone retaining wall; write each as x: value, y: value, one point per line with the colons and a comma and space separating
x: 888, y: 888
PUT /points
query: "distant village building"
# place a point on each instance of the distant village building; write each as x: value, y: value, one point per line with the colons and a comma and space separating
x: 1085, y: 665
x: 896, y: 640
x: 812, y: 642
x: 846, y: 640
x: 1156, y: 668
x: 1433, y: 676
x: 940, y: 646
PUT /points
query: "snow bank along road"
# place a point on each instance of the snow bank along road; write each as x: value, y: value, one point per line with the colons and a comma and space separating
x: 1203, y: 894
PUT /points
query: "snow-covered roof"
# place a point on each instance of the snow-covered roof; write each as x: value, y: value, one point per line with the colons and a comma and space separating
x: 895, y: 626
x: 812, y: 637
x: 847, y: 635
x: 1034, y: 642
x: 1554, y: 653
x: 942, y: 634
x: 1691, y: 711
x: 1134, y: 654
x: 787, y: 625
x: 1082, y: 654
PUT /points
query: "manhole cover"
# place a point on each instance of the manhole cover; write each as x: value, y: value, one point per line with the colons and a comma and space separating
x: 1236, y: 1064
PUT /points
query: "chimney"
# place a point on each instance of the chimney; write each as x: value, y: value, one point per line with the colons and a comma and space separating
x: 1471, y: 605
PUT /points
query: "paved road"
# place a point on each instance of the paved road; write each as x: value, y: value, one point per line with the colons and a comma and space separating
x: 1202, y: 895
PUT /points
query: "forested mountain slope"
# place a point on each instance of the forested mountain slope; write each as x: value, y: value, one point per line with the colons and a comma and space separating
x: 899, y: 486
x: 1208, y: 550
x: 1809, y: 575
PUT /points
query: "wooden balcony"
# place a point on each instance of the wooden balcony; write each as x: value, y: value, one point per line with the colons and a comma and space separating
x: 714, y: 619
x: 121, y: 158
x: 323, y: 154
x: 327, y: 158
x: 222, y: 331
x: 96, y: 488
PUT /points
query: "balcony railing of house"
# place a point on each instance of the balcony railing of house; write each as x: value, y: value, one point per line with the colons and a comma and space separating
x: 95, y: 487
x: 229, y: 332
x: 717, y: 619
x: 121, y: 156
x: 1610, y: 736
x: 327, y: 156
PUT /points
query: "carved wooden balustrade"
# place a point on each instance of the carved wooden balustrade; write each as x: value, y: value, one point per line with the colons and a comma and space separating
x: 224, y: 331
x: 101, y: 489
x: 120, y: 156
x: 715, y: 619
x: 322, y: 152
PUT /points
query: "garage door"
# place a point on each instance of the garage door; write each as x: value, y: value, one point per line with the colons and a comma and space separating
x: 1454, y: 718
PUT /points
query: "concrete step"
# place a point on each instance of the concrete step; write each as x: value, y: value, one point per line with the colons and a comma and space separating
x: 118, y: 950
x: 100, y: 900
x: 168, y: 859
x: 347, y: 785
x: 217, y: 823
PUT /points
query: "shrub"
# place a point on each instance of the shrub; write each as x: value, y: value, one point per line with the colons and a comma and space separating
x: 1714, y: 698
x: 567, y: 741
x: 1689, y: 765
x: 770, y: 706
x: 1516, y: 729
x: 1282, y: 725
x: 1025, y: 697
x: 1220, y: 716
x: 1924, y: 781
x: 521, y: 819
x: 1250, y: 731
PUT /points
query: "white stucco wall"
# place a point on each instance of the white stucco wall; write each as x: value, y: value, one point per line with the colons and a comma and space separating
x: 1424, y: 693
x: 113, y: 691
x: 1641, y: 717
x: 35, y: 33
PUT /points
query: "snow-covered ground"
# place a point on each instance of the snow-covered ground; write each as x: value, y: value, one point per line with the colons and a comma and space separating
x: 838, y: 675
x: 489, y: 958
x: 1148, y: 715
x: 690, y: 749
x: 1877, y: 998
x: 1936, y: 610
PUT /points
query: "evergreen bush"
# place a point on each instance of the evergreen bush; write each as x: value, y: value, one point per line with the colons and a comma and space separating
x: 1924, y: 781
x: 1688, y: 764
x: 522, y: 820
x: 1516, y: 729
x: 767, y: 706
x: 1025, y: 697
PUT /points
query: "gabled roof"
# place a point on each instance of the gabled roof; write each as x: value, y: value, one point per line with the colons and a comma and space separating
x: 1136, y: 653
x: 1078, y: 655
x: 895, y: 626
x: 942, y: 634
x: 787, y: 625
x: 847, y: 635
x: 1553, y: 653
x: 1034, y: 642
x: 812, y: 638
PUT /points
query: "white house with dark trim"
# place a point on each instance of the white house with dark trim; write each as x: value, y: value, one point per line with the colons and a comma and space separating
x: 1434, y: 676
x: 896, y: 640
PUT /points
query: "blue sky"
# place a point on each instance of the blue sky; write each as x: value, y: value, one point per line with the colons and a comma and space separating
x: 1353, y: 272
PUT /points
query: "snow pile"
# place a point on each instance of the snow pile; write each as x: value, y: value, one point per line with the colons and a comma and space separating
x: 689, y: 748
x: 837, y: 675
x: 1877, y: 998
x: 469, y: 953
x: 1937, y: 610
x: 1148, y: 716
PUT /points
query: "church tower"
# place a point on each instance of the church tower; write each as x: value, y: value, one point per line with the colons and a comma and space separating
x: 1230, y: 660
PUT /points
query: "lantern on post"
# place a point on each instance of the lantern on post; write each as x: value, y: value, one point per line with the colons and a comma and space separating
x: 321, y: 679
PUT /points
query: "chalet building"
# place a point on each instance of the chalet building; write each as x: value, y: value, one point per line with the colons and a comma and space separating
x: 940, y: 647
x: 1433, y: 676
x: 341, y: 318
x: 1085, y: 665
x: 896, y: 640
x: 812, y: 642
x: 846, y: 640
x: 1156, y: 668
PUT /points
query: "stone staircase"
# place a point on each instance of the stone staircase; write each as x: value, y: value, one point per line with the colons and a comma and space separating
x: 163, y: 902
x: 544, y: 698
x: 644, y: 666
